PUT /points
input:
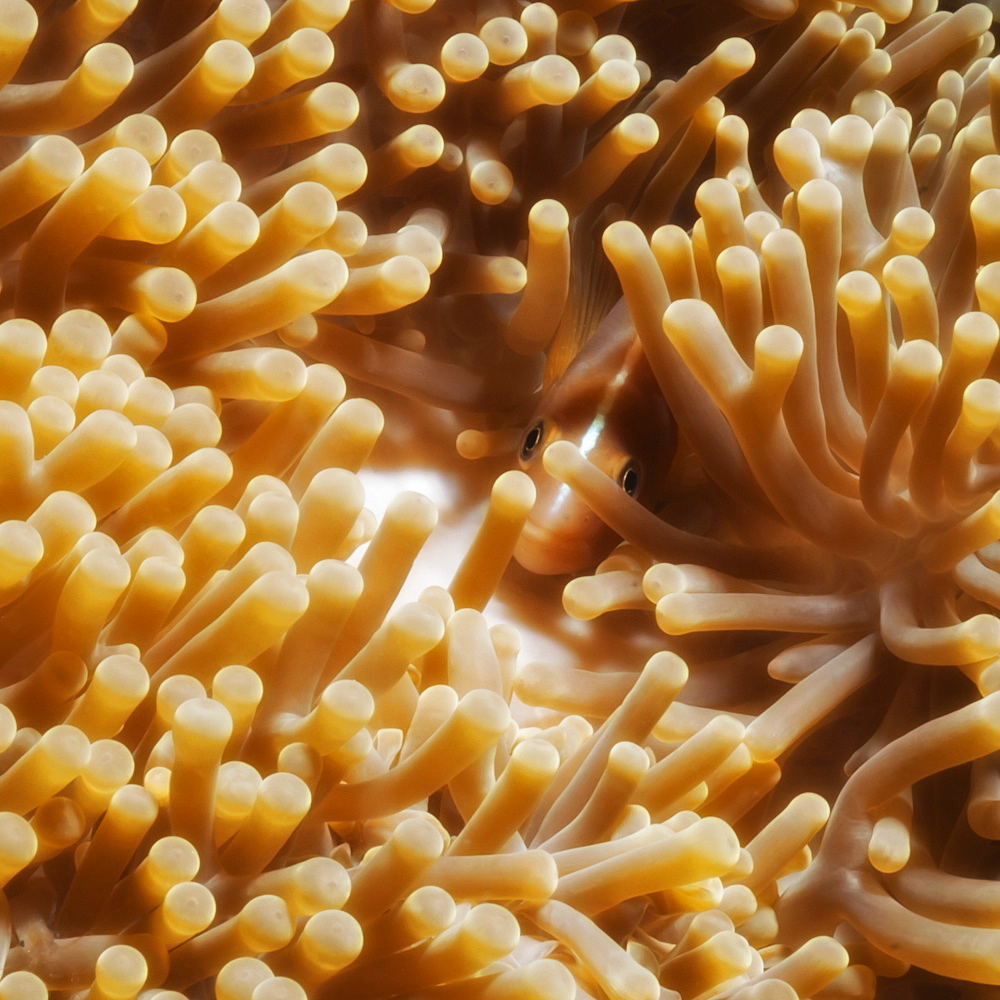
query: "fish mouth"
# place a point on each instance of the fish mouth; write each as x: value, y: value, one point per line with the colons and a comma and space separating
x: 543, y: 551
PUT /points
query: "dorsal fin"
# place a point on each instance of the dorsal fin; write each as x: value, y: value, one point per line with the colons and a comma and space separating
x: 593, y: 290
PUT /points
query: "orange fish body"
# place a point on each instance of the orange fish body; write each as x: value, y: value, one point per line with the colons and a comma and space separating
x: 608, y: 404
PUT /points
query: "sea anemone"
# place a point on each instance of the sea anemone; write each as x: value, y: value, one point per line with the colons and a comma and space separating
x: 238, y: 755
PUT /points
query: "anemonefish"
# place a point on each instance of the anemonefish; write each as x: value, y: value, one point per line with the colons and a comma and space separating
x: 608, y: 404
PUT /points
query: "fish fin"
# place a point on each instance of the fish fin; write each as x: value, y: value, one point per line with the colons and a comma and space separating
x: 593, y: 290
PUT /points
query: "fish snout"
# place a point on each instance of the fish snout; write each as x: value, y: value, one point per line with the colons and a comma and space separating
x: 562, y: 534
x: 540, y: 551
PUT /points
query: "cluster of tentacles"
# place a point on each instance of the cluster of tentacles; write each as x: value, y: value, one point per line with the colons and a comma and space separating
x: 235, y: 761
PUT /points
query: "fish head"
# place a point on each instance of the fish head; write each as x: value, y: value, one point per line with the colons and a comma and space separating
x: 623, y: 426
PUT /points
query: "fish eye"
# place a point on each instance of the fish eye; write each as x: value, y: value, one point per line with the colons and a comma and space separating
x: 629, y: 479
x: 532, y: 439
